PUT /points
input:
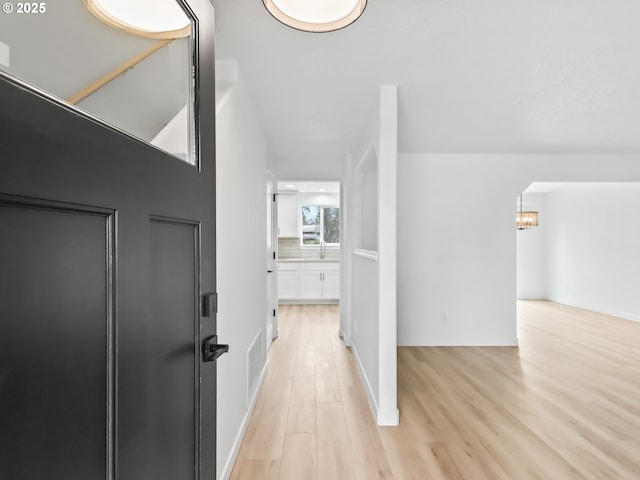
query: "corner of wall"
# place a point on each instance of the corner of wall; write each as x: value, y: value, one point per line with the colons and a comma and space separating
x: 226, y: 78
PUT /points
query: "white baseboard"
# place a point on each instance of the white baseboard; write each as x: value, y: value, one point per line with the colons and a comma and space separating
x: 228, y: 466
x: 498, y: 342
x: 373, y: 404
x: 384, y: 418
x: 594, y: 308
x: 388, y: 418
x: 318, y: 301
x: 344, y: 338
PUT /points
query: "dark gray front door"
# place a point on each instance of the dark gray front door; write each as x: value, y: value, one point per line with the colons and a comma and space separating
x: 106, y: 250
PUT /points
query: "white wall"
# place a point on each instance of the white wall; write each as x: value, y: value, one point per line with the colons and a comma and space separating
x: 593, y: 238
x: 369, y: 207
x: 365, y: 335
x: 302, y: 169
x: 531, y: 252
x: 328, y: 199
x: 241, y: 263
x: 457, y: 239
x: 372, y: 309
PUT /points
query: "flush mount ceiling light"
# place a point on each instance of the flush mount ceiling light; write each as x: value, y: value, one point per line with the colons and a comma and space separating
x: 316, y: 15
x: 147, y: 18
x: 526, y: 220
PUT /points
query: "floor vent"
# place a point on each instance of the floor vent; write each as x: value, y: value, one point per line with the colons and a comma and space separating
x: 255, y: 362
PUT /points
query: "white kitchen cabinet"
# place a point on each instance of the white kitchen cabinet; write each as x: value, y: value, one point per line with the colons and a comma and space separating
x: 331, y: 285
x: 308, y: 281
x: 288, y: 281
x: 288, y: 215
x: 319, y: 281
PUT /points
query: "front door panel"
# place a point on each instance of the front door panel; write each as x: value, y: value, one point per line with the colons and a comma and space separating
x: 173, y: 352
x: 55, y: 343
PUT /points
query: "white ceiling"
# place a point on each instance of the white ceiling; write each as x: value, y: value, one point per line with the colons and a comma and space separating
x: 553, y: 187
x: 492, y: 76
x: 310, y: 187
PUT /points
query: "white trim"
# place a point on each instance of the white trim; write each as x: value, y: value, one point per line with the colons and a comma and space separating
x: 592, y: 308
x: 373, y: 405
x: 231, y: 460
x: 346, y: 229
x: 272, y: 260
x: 310, y: 301
x: 387, y: 266
x: 390, y: 418
x: 344, y: 338
x: 369, y: 254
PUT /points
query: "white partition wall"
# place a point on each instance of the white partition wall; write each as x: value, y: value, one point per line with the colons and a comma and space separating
x: 371, y: 214
x: 242, y: 160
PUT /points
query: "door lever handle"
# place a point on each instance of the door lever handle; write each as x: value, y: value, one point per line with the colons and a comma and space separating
x: 211, y: 349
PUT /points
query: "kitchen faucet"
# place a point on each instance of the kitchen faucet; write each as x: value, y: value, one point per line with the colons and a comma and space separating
x: 323, y: 249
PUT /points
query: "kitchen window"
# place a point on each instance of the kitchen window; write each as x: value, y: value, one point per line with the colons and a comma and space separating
x: 320, y: 224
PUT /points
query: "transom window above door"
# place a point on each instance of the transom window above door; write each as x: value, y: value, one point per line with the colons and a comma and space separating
x: 136, y: 79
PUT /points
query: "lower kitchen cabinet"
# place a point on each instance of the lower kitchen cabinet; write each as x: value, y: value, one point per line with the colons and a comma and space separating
x: 310, y: 284
x: 288, y: 281
x: 314, y: 281
x: 331, y: 284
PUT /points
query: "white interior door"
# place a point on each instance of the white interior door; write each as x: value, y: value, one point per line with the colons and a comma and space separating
x: 272, y: 262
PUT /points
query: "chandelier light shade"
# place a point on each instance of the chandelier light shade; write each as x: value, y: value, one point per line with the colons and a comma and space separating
x: 526, y: 220
x: 316, y: 15
x: 146, y: 18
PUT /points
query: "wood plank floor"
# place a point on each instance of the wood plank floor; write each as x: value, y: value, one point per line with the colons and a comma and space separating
x: 564, y: 405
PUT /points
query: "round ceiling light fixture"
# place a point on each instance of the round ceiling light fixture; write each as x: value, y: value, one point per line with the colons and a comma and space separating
x: 316, y: 15
x: 146, y: 18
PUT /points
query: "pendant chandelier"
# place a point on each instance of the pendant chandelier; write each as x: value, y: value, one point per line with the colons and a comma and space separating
x: 526, y: 220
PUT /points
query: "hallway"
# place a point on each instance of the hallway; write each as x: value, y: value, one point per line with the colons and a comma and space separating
x: 564, y: 405
x: 311, y: 419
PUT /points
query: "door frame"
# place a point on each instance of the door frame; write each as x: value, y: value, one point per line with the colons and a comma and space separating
x: 272, y: 328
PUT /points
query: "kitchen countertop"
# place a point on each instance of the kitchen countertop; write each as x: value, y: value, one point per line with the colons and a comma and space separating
x: 307, y: 260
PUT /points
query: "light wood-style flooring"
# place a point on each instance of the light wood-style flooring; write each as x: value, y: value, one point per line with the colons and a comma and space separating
x: 564, y: 405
